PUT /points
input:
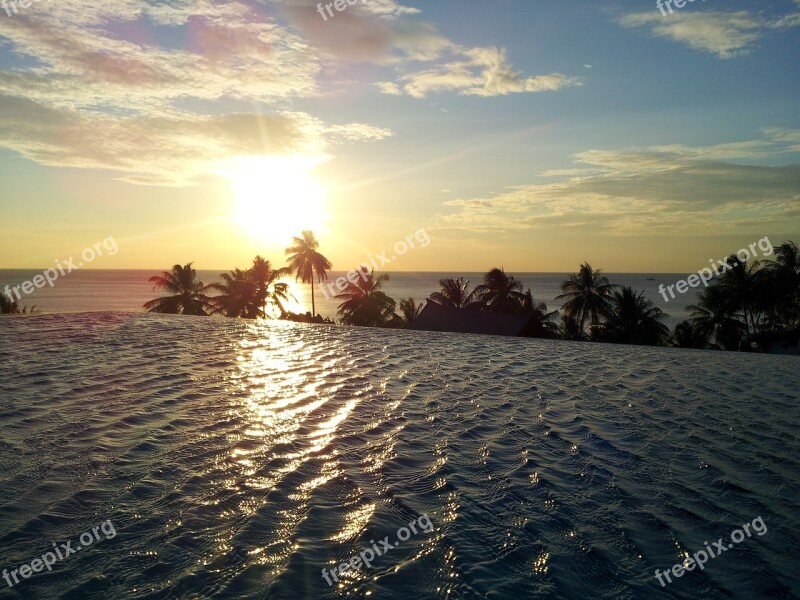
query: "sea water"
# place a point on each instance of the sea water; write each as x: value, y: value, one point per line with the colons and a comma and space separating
x: 238, y: 460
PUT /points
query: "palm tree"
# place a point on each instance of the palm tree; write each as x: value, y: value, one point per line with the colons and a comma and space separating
x: 270, y: 290
x: 715, y: 317
x: 500, y: 292
x: 245, y: 294
x: 570, y: 329
x: 188, y: 295
x: 686, y: 335
x: 785, y: 274
x: 364, y: 302
x: 743, y: 284
x: 237, y: 295
x: 634, y: 320
x: 410, y: 311
x: 307, y: 263
x: 787, y: 257
x: 587, y: 294
x: 455, y: 294
x: 542, y: 323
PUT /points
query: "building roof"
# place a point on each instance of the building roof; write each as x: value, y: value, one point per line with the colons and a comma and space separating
x: 435, y: 317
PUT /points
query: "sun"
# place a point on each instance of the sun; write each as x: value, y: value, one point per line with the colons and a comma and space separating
x: 276, y: 197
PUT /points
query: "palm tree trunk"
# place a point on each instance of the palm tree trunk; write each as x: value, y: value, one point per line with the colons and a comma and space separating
x: 313, y: 307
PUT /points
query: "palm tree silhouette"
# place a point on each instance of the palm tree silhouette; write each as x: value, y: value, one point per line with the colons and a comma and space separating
x: 570, y: 329
x: 687, y: 335
x: 410, y: 311
x: 237, y: 295
x: 587, y: 294
x: 188, y: 295
x: 785, y: 274
x: 270, y: 290
x: 542, y: 323
x: 307, y: 263
x: 634, y: 320
x: 500, y: 292
x: 245, y: 294
x: 715, y: 317
x: 743, y: 284
x: 455, y: 294
x: 364, y: 302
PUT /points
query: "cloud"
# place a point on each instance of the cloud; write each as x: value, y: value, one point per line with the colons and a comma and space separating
x: 147, y: 87
x: 724, y: 34
x: 382, y: 8
x: 390, y: 88
x: 480, y: 72
x: 415, y: 41
x: 469, y: 71
x: 790, y: 20
x: 165, y: 149
x: 357, y: 34
x: 106, y: 55
x: 104, y: 93
x: 661, y: 190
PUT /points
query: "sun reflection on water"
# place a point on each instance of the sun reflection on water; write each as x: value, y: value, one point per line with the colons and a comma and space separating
x: 292, y: 412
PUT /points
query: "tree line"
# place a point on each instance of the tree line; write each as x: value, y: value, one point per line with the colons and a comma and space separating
x: 753, y: 297
x: 749, y: 300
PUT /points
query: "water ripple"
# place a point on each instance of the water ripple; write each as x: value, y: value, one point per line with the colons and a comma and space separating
x: 236, y: 460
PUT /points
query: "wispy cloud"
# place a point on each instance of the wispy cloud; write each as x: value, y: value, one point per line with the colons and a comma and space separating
x: 790, y: 20
x: 476, y: 72
x: 162, y: 148
x: 105, y: 94
x: 724, y: 34
x: 146, y: 87
x: 107, y: 55
x: 659, y: 190
x: 485, y: 72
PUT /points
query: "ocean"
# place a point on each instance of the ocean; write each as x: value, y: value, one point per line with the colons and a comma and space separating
x: 242, y: 460
x: 96, y: 290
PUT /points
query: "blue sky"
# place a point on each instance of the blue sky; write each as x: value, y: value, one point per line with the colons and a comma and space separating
x: 533, y: 134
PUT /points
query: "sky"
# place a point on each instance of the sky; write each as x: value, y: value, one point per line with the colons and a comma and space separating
x: 528, y: 134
